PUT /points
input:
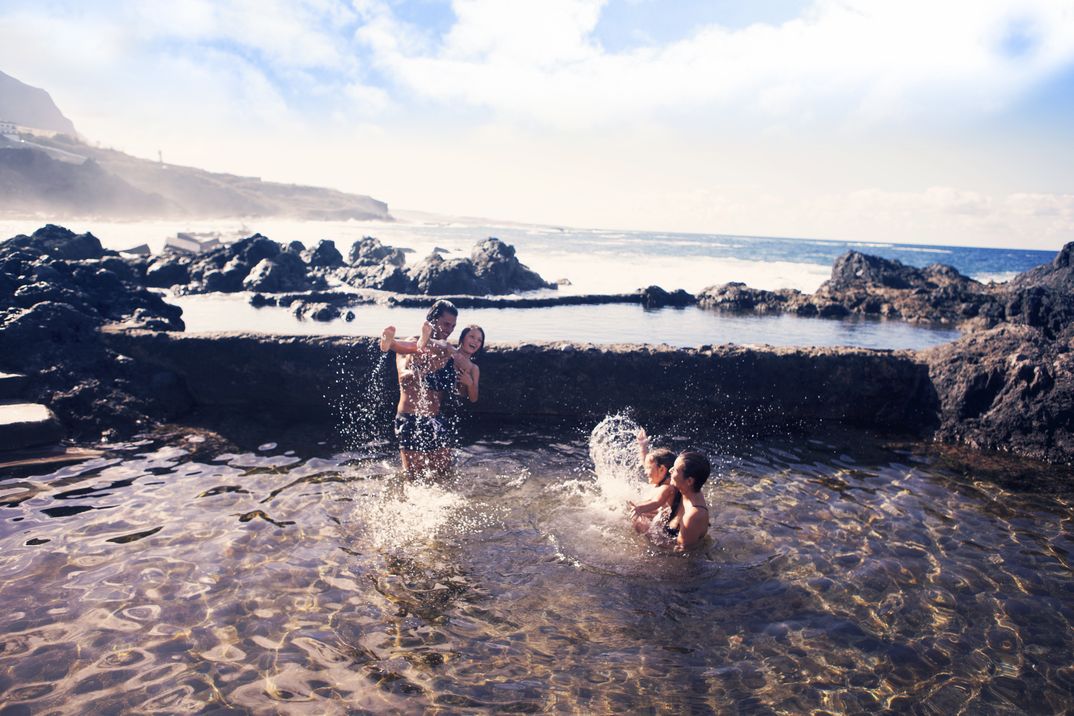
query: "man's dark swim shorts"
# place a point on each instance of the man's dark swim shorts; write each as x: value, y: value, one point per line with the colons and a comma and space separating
x: 423, y: 433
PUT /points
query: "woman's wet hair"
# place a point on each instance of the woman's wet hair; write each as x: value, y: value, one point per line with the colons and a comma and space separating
x: 696, y: 466
x: 466, y: 332
x: 663, y: 457
x: 440, y: 308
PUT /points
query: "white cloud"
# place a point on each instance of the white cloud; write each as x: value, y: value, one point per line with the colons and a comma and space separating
x: 865, y: 58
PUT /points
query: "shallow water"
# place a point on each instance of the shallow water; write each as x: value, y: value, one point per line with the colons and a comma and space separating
x: 615, y: 323
x: 842, y: 575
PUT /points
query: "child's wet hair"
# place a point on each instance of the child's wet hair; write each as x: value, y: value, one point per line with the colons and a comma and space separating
x: 696, y: 466
x: 663, y: 457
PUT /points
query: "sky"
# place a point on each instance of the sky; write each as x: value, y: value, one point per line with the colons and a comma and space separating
x: 941, y: 122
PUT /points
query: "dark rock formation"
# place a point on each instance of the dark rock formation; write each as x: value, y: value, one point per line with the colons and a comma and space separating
x: 283, y: 272
x: 871, y: 286
x: 255, y: 263
x: 323, y: 255
x: 656, y: 297
x: 382, y: 277
x: 492, y: 269
x: 49, y: 329
x: 496, y: 266
x: 1010, y: 388
x: 369, y: 251
x: 739, y: 298
x: 437, y: 276
x: 59, y: 243
x: 1058, y: 275
x: 316, y: 311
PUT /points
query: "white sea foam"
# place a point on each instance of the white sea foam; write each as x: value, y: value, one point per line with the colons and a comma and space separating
x: 918, y: 249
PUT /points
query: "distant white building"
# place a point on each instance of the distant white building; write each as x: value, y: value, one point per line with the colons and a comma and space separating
x: 9, y: 127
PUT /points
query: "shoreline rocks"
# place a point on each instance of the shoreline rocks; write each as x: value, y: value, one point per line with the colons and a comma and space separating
x: 259, y: 264
x: 1008, y: 384
x: 870, y: 286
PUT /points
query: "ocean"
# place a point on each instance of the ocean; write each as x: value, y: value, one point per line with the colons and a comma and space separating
x: 586, y: 261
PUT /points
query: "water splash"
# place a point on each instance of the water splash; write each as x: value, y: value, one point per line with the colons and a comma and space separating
x: 361, y: 398
x: 614, y: 450
x: 396, y: 514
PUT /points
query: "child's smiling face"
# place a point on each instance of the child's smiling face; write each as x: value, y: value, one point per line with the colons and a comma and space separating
x: 656, y: 473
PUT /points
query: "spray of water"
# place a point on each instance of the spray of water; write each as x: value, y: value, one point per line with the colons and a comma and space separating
x: 614, y: 450
x: 360, y: 399
x: 397, y: 514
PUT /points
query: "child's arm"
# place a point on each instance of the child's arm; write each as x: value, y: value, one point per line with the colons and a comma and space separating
x: 643, y: 445
x: 662, y: 498
x: 468, y: 382
x: 388, y: 342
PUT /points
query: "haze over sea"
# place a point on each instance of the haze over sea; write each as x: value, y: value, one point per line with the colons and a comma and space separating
x: 593, y: 261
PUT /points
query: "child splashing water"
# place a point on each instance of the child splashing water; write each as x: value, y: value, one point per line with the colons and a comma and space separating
x: 663, y: 498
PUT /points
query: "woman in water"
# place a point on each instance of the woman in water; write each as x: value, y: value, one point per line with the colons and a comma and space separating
x: 691, y: 520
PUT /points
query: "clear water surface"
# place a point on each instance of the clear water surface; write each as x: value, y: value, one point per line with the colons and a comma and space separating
x: 842, y: 575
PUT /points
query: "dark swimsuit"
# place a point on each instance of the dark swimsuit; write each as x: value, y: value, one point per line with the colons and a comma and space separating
x: 444, y: 379
x: 428, y: 433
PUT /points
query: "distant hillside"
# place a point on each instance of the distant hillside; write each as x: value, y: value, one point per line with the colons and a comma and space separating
x: 65, y: 176
x: 30, y: 107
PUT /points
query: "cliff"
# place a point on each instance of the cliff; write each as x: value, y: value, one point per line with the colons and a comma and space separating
x: 30, y: 107
x: 107, y: 183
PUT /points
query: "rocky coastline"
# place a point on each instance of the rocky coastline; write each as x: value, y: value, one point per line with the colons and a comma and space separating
x: 86, y: 337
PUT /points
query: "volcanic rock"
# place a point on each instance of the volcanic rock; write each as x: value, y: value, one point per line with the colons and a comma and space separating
x: 324, y: 255
x: 284, y: 272
x: 369, y: 251
x: 497, y: 268
x: 1010, y: 388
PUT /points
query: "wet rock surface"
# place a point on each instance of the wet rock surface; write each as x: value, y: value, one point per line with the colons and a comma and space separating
x: 60, y: 288
x: 870, y: 286
x: 1006, y: 385
x: 1009, y: 388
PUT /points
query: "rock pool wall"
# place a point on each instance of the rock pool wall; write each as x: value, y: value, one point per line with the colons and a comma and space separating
x: 304, y: 377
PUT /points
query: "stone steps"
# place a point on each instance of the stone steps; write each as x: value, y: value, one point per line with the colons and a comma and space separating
x: 24, y: 425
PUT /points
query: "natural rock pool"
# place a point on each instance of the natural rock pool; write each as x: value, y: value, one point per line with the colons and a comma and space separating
x: 843, y: 574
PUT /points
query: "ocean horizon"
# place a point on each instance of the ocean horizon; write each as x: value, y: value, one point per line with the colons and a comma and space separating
x: 589, y: 260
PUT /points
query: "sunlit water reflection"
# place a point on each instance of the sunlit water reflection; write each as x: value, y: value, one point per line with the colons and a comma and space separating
x: 841, y: 575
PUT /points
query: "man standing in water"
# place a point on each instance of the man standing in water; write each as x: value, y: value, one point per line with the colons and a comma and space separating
x: 424, y: 439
